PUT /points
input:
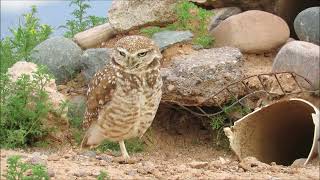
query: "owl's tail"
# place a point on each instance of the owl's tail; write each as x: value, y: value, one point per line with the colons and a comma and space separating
x: 93, y: 137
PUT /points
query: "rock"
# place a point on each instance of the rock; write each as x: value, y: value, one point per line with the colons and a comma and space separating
x: 28, y: 68
x: 36, y: 159
x: 80, y: 173
x: 221, y: 14
x: 54, y: 157
x: 252, y: 164
x: 164, y: 39
x: 307, y: 25
x: 127, y: 15
x: 51, y: 173
x: 198, y: 164
x: 265, y: 5
x: 90, y: 154
x: 299, y: 162
x: 252, y: 32
x: 193, y: 78
x: 60, y: 55
x: 92, y: 60
x: 300, y: 57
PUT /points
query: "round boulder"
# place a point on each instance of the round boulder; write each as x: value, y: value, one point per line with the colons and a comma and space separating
x: 93, y: 60
x: 300, y: 57
x: 307, y: 25
x: 252, y: 32
x: 60, y: 55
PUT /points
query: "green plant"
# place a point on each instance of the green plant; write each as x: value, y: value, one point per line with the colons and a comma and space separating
x: 103, y: 176
x: 80, y: 21
x: 24, y: 104
x: 149, y: 31
x: 17, y: 170
x: 23, y: 39
x: 193, y: 18
x: 218, y: 121
x: 133, y: 146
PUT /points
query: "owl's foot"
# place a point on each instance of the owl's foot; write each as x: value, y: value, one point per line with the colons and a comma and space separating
x: 125, y: 158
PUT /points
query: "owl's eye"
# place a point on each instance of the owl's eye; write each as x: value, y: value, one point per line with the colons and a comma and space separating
x: 142, y: 54
x: 122, y: 53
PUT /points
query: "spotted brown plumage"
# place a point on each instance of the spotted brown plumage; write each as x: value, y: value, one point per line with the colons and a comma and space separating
x: 124, y: 96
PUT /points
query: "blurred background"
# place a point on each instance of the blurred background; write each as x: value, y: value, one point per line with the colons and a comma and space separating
x: 54, y: 13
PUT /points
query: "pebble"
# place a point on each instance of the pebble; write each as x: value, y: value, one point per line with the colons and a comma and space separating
x: 53, y: 157
x: 90, y: 154
x: 132, y: 172
x: 79, y: 173
x: 36, y: 159
x: 198, y: 164
x: 51, y: 173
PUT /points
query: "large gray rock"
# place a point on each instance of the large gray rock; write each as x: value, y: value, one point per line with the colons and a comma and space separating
x: 307, y: 25
x: 60, y: 55
x: 221, y: 14
x: 194, y: 78
x: 127, y: 15
x: 92, y: 60
x: 252, y: 32
x: 300, y: 57
x: 165, y: 39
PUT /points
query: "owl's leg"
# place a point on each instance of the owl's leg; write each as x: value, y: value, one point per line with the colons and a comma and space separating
x: 124, y: 152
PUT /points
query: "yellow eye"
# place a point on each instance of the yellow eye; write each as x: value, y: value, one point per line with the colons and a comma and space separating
x: 122, y: 53
x: 142, y: 54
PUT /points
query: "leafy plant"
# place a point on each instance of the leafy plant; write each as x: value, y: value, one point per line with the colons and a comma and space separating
x: 218, y: 122
x: 17, y: 170
x: 133, y: 146
x: 23, y: 39
x: 149, y: 31
x: 80, y: 21
x: 103, y: 176
x: 23, y: 104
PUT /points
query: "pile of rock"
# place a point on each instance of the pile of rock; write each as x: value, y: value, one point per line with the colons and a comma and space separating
x: 193, y: 78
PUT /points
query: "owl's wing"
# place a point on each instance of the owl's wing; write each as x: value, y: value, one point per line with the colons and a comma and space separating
x: 99, y: 93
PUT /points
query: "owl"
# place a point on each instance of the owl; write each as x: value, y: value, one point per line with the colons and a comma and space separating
x: 123, y: 98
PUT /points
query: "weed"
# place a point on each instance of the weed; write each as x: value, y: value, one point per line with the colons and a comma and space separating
x: 24, y: 104
x: 149, y: 31
x: 103, y: 175
x: 193, y: 18
x: 134, y: 145
x: 204, y: 40
x: 218, y: 122
x: 24, y: 38
x: 80, y: 21
x: 17, y: 170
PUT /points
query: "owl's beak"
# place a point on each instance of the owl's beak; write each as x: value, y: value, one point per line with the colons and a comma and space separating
x: 130, y: 62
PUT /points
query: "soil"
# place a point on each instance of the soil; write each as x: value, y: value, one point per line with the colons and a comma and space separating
x: 178, y: 145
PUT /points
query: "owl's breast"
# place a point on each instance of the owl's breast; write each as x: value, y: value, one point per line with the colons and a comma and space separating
x: 130, y: 111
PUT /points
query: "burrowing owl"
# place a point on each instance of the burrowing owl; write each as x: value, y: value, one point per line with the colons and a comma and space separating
x: 123, y: 97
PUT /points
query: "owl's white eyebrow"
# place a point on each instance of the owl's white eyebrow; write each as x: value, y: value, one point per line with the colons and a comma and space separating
x: 122, y: 50
x: 143, y: 50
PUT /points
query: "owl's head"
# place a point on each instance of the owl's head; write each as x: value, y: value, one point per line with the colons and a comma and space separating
x: 136, y: 54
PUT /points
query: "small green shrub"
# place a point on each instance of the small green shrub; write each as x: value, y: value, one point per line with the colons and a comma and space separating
x: 23, y: 104
x: 134, y: 145
x: 204, y: 40
x: 218, y: 122
x: 80, y: 21
x: 17, y: 170
x: 149, y: 31
x: 193, y: 18
x: 103, y: 176
x: 23, y: 39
